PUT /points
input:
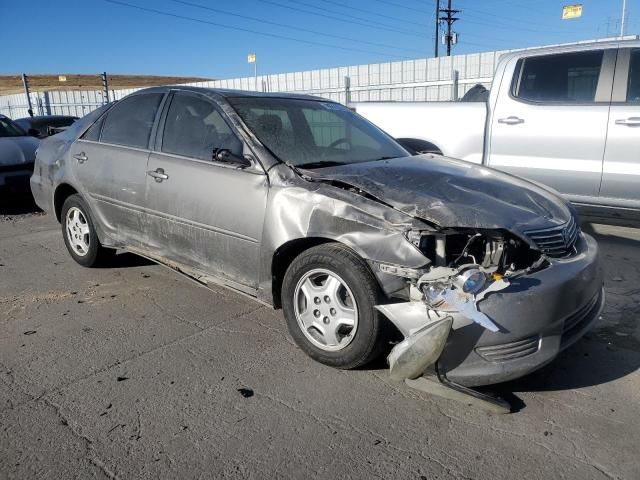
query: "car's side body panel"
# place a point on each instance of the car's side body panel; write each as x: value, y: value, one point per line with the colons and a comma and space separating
x: 113, y: 181
x: 193, y: 219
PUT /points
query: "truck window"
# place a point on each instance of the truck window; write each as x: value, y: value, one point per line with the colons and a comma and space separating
x: 563, y: 78
x: 633, y: 90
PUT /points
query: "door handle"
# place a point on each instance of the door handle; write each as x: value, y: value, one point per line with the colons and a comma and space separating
x: 511, y: 120
x: 629, y: 122
x: 158, y: 174
x: 81, y: 157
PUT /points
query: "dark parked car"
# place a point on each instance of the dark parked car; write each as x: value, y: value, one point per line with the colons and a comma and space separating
x: 46, y: 125
x: 17, y: 154
x: 305, y: 205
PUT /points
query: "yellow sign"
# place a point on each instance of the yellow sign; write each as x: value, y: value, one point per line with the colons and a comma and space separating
x: 251, y: 58
x: 571, y: 11
x: 62, y: 78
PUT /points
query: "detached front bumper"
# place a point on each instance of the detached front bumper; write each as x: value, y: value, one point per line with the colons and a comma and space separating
x: 538, y: 314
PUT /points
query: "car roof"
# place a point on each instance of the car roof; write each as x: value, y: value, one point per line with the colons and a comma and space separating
x: 45, y: 118
x: 228, y: 93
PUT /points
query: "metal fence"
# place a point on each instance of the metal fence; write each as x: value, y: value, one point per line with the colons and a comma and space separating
x: 420, y: 80
x: 426, y: 79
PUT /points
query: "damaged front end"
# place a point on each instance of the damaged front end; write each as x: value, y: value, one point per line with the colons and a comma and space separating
x: 467, y: 266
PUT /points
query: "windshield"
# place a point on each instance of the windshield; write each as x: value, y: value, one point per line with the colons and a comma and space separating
x: 310, y: 133
x: 9, y: 129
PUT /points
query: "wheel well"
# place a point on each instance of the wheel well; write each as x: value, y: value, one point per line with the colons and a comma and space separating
x: 283, y: 257
x: 417, y: 146
x: 63, y: 192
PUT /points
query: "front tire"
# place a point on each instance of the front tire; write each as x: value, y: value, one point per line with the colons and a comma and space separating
x: 79, y: 233
x: 328, y: 298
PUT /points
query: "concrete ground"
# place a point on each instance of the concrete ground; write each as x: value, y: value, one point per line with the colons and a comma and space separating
x: 135, y: 372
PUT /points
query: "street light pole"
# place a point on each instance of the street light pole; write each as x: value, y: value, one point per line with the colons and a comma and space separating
x: 252, y: 58
x: 437, y: 43
x: 624, y: 15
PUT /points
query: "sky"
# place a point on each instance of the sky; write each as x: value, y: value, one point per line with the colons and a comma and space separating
x: 211, y: 38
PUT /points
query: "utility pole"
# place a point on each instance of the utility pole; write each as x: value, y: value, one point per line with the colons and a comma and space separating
x: 105, y: 87
x: 624, y: 15
x: 437, y: 44
x: 451, y: 37
x: 25, y: 84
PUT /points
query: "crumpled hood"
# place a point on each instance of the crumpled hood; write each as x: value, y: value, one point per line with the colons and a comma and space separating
x: 453, y: 193
x: 17, y: 150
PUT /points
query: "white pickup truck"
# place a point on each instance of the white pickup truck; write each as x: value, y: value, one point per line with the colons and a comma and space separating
x: 567, y: 116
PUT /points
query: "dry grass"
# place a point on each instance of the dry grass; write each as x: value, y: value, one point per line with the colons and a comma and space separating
x: 10, y: 84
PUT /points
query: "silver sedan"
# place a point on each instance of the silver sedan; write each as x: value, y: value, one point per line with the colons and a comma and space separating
x: 301, y: 203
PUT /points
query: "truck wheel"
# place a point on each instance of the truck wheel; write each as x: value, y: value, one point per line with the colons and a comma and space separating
x: 79, y: 233
x: 328, y: 299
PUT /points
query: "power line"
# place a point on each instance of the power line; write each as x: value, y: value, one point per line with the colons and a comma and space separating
x: 400, y: 5
x: 291, y: 27
x: 368, y: 25
x: 247, y: 30
x: 518, y: 28
x: 369, y: 12
x: 368, y: 22
x: 509, y: 19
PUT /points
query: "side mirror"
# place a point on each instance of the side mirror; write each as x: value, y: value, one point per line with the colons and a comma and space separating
x: 33, y: 132
x: 226, y: 156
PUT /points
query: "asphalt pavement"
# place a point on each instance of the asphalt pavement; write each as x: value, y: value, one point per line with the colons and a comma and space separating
x: 133, y: 371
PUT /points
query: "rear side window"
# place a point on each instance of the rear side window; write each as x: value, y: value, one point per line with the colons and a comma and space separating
x: 633, y: 90
x: 194, y: 128
x: 564, y: 78
x: 130, y: 121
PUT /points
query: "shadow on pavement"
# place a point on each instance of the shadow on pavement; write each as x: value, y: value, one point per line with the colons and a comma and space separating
x: 126, y: 260
x: 17, y: 204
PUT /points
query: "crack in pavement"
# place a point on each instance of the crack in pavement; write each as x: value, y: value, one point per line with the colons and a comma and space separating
x: 76, y: 430
x: 128, y: 360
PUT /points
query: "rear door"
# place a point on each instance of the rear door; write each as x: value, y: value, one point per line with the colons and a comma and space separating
x: 110, y: 163
x: 203, y: 213
x: 621, y: 173
x: 550, y: 123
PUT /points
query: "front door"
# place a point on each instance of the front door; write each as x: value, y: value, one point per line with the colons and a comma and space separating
x: 621, y: 173
x: 203, y: 213
x: 110, y: 162
x: 551, y: 125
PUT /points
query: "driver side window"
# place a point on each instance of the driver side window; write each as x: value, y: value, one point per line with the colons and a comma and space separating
x: 194, y: 128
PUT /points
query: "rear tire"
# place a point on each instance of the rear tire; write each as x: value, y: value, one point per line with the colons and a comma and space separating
x: 340, y: 329
x: 79, y: 233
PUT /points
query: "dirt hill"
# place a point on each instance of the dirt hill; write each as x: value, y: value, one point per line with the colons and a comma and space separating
x: 10, y: 84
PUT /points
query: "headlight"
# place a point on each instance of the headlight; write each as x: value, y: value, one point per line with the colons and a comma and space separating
x: 471, y: 280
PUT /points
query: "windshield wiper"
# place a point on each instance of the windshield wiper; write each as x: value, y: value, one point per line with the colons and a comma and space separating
x: 320, y: 164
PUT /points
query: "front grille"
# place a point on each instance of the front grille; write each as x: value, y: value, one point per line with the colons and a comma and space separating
x: 556, y: 242
x: 16, y: 168
x: 510, y: 351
